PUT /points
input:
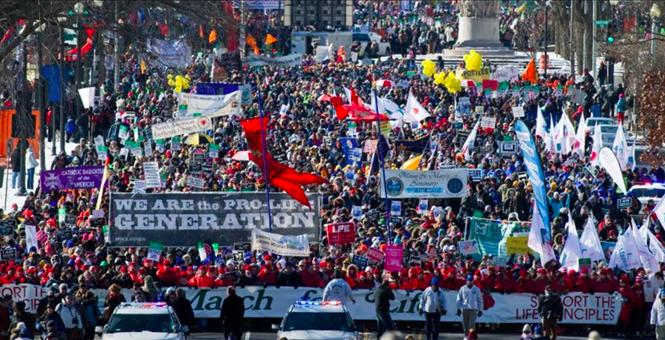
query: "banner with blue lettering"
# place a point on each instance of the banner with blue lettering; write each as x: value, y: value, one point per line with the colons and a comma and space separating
x: 215, y: 88
x: 535, y: 171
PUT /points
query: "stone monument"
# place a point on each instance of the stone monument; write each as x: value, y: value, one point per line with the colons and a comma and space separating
x: 479, y: 28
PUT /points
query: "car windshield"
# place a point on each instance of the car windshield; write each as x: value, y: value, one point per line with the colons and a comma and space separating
x: 159, y: 323
x: 318, y: 322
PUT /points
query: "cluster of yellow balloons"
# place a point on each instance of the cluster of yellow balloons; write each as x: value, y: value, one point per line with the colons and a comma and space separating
x: 450, y: 81
x: 429, y: 67
x: 178, y: 82
x: 473, y: 61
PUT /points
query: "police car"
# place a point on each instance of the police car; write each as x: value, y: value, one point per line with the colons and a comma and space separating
x: 312, y: 320
x: 144, y: 321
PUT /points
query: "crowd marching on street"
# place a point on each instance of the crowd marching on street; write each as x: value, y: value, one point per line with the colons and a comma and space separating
x: 400, y: 114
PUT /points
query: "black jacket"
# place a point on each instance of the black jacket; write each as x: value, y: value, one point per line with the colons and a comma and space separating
x: 183, y: 309
x: 292, y: 279
x: 382, y: 297
x: 233, y: 313
x: 550, y: 307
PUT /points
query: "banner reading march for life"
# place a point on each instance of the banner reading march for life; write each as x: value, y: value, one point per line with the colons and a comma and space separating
x: 535, y: 171
x: 184, y: 219
x: 274, y: 302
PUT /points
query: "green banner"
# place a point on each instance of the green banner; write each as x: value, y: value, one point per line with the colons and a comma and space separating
x: 492, y: 236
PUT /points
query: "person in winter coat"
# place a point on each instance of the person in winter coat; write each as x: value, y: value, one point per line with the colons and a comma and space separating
x: 621, y: 109
x: 338, y: 289
x: 20, y: 315
x: 68, y: 310
x: 232, y: 315
x: 89, y: 311
x: 433, y: 304
x: 183, y: 309
x: 469, y: 303
x: 382, y: 297
x: 53, y: 322
x: 16, y: 166
x: 658, y: 315
x: 30, y: 165
x: 550, y: 309
x: 289, y: 277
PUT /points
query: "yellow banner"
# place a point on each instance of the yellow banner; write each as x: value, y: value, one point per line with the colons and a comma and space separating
x: 476, y: 76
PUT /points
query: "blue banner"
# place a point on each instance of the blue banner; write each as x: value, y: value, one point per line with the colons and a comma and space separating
x: 535, y: 171
x: 351, y: 149
x: 216, y: 88
x: 51, y: 73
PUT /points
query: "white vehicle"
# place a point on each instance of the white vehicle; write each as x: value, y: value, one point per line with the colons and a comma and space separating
x: 648, y: 192
x: 309, y: 320
x: 144, y: 321
x: 609, y: 131
x: 593, y: 121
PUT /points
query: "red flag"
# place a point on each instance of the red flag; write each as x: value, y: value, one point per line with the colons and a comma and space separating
x: 340, y: 109
x: 490, y: 84
x: 279, y: 175
x: 355, y: 112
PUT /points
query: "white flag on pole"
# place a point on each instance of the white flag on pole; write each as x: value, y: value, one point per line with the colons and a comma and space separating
x: 647, y: 259
x: 590, y: 243
x: 659, y: 210
x: 540, y: 125
x: 652, y: 242
x: 535, y: 241
x: 571, y: 253
x: 597, y: 145
x: 580, y: 137
x: 620, y: 147
x: 414, y: 112
x: 625, y: 255
x: 470, y: 140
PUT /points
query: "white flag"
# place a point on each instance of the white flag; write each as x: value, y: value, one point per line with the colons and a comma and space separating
x: 414, y: 112
x: 470, y: 140
x: 597, y: 145
x: 608, y: 161
x: 630, y: 159
x: 590, y: 243
x: 535, y: 241
x: 551, y: 137
x: 620, y: 147
x: 540, y: 125
x: 390, y: 109
x: 659, y: 210
x: 569, y: 131
x: 647, y: 259
x: 580, y: 137
x: 571, y: 253
x: 652, y: 242
x: 625, y: 254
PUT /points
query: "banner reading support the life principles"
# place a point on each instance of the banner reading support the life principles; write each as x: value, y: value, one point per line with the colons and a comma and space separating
x: 273, y: 302
x: 184, y: 219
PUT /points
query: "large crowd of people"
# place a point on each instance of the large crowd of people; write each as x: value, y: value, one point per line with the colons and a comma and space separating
x: 73, y: 258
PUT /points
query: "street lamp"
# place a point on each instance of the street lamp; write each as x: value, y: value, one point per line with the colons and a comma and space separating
x: 654, y: 12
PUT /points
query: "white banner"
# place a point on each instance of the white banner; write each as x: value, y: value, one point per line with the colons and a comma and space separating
x: 283, y: 61
x: 506, y: 73
x: 180, y: 127
x: 208, y: 105
x: 284, y: 245
x: 273, y: 302
x: 171, y: 53
x: 443, y: 183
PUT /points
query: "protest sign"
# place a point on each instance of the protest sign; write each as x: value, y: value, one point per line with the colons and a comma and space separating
x: 151, y: 175
x: 375, y: 255
x: 507, y: 148
x: 170, y: 53
x: 370, y: 146
x: 285, y: 245
x: 488, y: 122
x: 442, y: 183
x: 468, y: 247
x: 7, y: 227
x: 139, y: 186
x: 31, y: 238
x: 395, y: 208
x: 79, y: 177
x: 506, y: 73
x: 464, y: 106
x: 197, y: 105
x: 213, y: 150
x: 360, y: 261
x: 518, y: 112
x: 624, y: 202
x: 341, y: 233
x: 8, y: 254
x: 282, y: 61
x: 394, y: 258
x: 87, y: 95
x: 476, y: 174
x: 491, y: 236
x: 147, y: 148
x: 180, y: 127
x: 479, y: 110
x: 155, y: 251
x: 422, y: 207
x: 357, y: 212
x: 517, y: 245
x: 196, y: 182
x: 182, y: 219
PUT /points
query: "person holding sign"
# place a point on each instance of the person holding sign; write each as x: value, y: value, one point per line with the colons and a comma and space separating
x: 433, y: 304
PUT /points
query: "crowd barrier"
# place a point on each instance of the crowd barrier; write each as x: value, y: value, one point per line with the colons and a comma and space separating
x: 273, y: 302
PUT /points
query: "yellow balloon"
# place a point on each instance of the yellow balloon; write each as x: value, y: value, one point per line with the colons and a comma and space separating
x: 178, y: 84
x: 452, y: 84
x: 473, y: 61
x: 429, y: 67
x: 439, y: 78
x: 171, y: 82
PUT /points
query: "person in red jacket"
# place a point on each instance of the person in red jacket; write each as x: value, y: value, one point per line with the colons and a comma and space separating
x: 629, y: 300
x: 267, y: 276
x: 523, y: 283
x: 584, y: 283
x: 605, y: 283
x: 166, y: 274
x: 639, y: 305
x: 352, y: 276
x: 490, y: 281
x: 504, y: 283
x: 557, y: 280
x: 310, y: 278
x: 538, y: 284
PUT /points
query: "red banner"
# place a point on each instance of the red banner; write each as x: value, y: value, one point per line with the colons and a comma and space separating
x: 341, y: 233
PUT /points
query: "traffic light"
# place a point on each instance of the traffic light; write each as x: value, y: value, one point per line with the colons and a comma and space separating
x: 609, y: 37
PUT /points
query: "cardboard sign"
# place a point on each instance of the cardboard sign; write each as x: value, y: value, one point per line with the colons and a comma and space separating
x: 467, y: 247
x: 375, y: 255
x: 155, y: 251
x: 341, y: 233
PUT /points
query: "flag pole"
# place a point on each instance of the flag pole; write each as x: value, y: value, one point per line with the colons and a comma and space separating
x: 382, y: 165
x: 263, y: 155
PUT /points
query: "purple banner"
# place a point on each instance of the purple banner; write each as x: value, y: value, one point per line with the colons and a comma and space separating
x: 80, y: 177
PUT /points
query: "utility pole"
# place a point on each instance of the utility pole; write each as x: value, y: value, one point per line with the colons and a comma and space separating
x: 116, y: 49
x: 594, y: 44
x: 545, y: 39
x: 570, y: 39
x: 79, y: 71
x: 24, y: 119
x: 61, y: 114
x: 39, y: 84
x: 585, y: 37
